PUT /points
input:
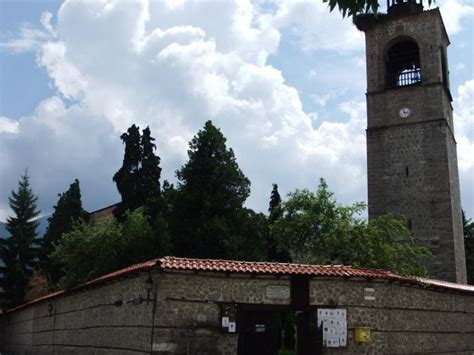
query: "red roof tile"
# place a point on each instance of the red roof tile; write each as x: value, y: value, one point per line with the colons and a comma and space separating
x: 170, y: 263
x: 173, y: 263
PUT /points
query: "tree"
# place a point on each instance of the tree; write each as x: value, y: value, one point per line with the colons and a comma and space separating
x: 138, y: 182
x: 67, y: 210
x: 19, y: 251
x: 274, y: 208
x: 468, y: 228
x: 127, y: 178
x: 93, y: 249
x: 356, y: 7
x: 211, y: 193
x: 275, y: 213
x: 318, y: 230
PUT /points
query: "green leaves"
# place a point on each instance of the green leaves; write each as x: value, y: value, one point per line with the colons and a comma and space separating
x: 209, y: 200
x: 315, y: 229
x: 353, y: 8
x: 138, y: 180
x: 19, y: 252
x: 468, y: 229
x: 93, y: 249
x: 67, y: 210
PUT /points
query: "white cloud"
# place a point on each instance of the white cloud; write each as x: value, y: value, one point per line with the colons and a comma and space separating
x: 58, y: 144
x: 46, y: 18
x: 316, y: 28
x: 464, y: 130
x: 27, y: 39
x: 7, y: 125
x: 454, y: 12
x: 165, y: 64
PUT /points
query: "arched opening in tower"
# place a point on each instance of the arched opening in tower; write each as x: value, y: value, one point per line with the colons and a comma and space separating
x: 403, y: 64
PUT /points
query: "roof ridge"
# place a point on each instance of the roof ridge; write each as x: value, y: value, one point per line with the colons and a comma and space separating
x: 176, y: 263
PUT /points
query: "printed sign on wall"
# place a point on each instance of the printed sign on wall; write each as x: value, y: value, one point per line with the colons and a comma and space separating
x: 334, y: 324
x: 229, y: 317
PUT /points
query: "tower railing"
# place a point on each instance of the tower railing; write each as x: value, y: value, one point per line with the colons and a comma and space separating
x: 409, y: 77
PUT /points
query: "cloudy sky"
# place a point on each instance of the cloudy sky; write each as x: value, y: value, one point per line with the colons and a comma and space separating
x: 284, y: 81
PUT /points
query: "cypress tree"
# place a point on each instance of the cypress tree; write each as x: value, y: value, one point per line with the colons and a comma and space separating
x: 150, y: 171
x: 127, y: 178
x: 19, y: 252
x: 274, y: 205
x: 138, y: 182
x: 275, y: 212
x: 67, y: 210
x: 211, y: 193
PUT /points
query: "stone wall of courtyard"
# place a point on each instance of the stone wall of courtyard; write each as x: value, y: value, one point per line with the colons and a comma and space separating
x: 182, y: 315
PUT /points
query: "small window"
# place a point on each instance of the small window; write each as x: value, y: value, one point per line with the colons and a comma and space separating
x: 403, y: 64
x: 444, y: 67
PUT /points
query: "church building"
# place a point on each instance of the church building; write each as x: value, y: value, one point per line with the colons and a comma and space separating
x: 188, y: 306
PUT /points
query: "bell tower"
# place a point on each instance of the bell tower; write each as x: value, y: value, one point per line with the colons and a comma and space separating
x: 411, y: 149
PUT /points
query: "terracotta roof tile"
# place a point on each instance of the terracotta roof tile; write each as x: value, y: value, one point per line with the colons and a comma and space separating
x: 231, y: 266
x: 173, y: 263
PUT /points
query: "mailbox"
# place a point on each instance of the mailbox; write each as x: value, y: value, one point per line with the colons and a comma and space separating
x: 362, y: 334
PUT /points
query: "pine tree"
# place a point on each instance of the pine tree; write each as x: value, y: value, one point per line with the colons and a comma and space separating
x: 19, y: 251
x: 67, y: 210
x: 275, y: 212
x: 211, y: 193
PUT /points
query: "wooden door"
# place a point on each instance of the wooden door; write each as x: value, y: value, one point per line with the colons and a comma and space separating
x: 258, y: 333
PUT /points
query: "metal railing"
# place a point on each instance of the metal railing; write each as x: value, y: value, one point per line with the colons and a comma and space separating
x: 409, y: 77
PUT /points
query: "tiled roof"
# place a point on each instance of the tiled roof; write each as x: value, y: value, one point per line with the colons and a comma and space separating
x: 170, y: 263
x: 173, y: 263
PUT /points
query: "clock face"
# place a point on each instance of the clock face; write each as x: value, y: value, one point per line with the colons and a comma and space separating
x: 404, y: 112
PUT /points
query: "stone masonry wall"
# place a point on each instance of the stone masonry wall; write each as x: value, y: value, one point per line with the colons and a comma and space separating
x: 183, y: 316
x: 411, y: 162
x: 403, y: 319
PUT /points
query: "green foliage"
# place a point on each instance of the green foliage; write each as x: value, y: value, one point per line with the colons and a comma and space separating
x: 275, y: 213
x: 207, y: 212
x: 356, y: 7
x: 353, y: 7
x: 127, y: 178
x: 93, y: 249
x: 67, y: 210
x: 318, y: 230
x: 19, y: 251
x: 468, y: 229
x: 138, y: 180
x: 249, y: 236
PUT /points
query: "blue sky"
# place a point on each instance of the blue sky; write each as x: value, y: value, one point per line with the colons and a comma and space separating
x: 285, y: 82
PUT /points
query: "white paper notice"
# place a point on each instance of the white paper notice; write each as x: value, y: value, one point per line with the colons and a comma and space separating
x: 225, y: 322
x: 231, y: 327
x: 334, y: 322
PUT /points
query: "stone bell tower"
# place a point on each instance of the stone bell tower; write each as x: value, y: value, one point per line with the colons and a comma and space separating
x: 411, y: 150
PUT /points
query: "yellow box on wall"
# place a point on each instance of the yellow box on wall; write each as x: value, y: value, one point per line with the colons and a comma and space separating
x: 362, y: 334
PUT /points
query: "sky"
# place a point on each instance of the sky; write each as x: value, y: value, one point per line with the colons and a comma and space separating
x: 284, y: 81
